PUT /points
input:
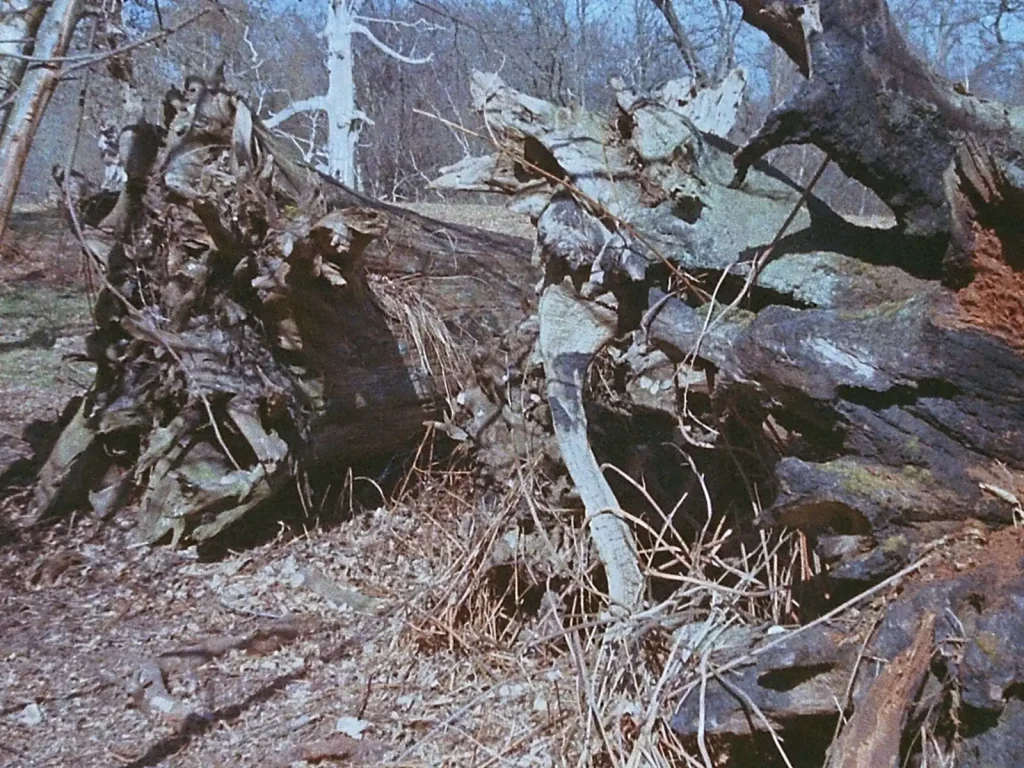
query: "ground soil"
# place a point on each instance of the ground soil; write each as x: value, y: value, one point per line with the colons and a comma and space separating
x: 269, y: 654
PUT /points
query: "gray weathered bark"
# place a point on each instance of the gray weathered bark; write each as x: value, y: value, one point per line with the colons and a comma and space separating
x: 876, y: 408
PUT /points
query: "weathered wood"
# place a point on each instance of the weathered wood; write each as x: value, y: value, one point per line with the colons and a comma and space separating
x: 885, y: 419
x: 891, y: 123
x: 872, y: 737
x: 874, y: 407
x: 258, y: 320
x: 482, y: 283
x: 910, y: 410
x: 801, y: 679
x: 571, y: 333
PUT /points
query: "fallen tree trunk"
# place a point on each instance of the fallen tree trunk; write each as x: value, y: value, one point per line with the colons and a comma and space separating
x: 259, y: 321
x: 772, y: 356
x: 875, y: 408
x: 949, y: 631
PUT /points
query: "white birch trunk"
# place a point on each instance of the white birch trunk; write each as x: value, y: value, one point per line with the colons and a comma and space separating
x: 344, y: 120
x: 19, y: 21
x: 37, y: 86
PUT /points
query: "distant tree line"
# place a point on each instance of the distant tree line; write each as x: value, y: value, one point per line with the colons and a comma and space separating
x: 418, y: 62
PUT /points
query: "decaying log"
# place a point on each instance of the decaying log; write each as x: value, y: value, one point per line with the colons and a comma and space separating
x: 893, y: 435
x: 873, y: 735
x: 894, y: 407
x: 894, y: 125
x: 879, y: 407
x: 258, y: 322
x: 947, y: 632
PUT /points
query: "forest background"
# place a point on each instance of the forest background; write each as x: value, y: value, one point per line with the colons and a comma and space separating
x: 411, y: 72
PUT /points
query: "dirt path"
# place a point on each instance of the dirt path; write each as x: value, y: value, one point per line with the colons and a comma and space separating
x: 276, y: 653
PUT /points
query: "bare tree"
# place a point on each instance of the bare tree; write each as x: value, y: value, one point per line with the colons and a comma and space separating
x: 345, y: 120
x: 50, y: 60
x: 19, y: 23
x: 706, y: 39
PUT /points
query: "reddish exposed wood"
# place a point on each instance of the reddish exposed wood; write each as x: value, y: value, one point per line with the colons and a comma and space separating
x: 871, y: 739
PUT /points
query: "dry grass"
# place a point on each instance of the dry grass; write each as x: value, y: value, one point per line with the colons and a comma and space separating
x: 413, y: 625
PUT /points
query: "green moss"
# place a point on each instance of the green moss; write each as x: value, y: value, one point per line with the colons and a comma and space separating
x: 894, y: 545
x: 913, y: 448
x: 988, y: 643
x: 913, y: 473
x: 863, y: 480
x: 737, y: 317
x: 860, y: 480
x: 889, y: 311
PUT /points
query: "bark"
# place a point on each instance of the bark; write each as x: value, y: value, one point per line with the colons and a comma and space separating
x: 872, y: 406
x: 895, y: 126
x: 19, y: 24
x: 940, y: 632
x: 261, y: 322
x: 783, y: 22
x: 344, y: 121
x: 34, y: 92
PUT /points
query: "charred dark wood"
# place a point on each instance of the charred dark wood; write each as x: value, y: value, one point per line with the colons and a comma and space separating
x: 891, y: 123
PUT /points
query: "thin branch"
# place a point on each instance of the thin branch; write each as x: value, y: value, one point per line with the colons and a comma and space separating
x: 88, y: 59
x: 387, y: 49
x: 313, y: 104
x: 420, y: 24
x: 682, y: 40
x: 448, y: 15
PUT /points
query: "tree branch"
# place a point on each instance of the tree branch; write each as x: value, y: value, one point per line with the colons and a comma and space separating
x: 386, y: 49
x: 421, y: 24
x: 781, y: 22
x: 88, y: 59
x: 312, y: 104
x: 682, y: 40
